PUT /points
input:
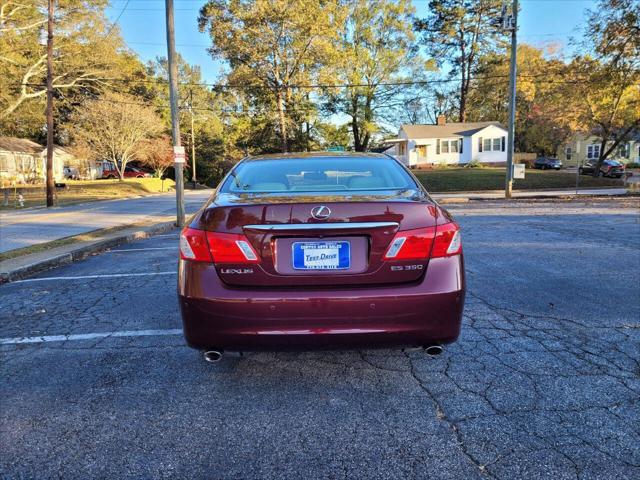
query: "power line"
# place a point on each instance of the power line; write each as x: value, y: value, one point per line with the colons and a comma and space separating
x: 546, y: 75
x: 117, y: 19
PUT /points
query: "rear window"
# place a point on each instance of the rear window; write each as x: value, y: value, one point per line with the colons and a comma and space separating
x: 318, y: 175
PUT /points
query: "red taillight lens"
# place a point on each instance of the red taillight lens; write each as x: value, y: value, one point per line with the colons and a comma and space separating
x: 202, y: 246
x: 447, y: 242
x: 193, y: 245
x: 441, y: 241
x: 411, y: 244
x: 231, y: 248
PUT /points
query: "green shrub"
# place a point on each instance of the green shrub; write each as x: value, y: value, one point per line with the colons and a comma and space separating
x: 475, y: 163
x: 442, y: 164
x: 633, y: 165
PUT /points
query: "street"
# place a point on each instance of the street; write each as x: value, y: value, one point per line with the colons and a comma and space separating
x: 23, y: 228
x: 544, y: 381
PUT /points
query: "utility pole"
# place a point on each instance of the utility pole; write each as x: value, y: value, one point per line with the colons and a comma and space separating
x: 193, y: 140
x: 50, y: 183
x: 175, y: 114
x: 511, y: 23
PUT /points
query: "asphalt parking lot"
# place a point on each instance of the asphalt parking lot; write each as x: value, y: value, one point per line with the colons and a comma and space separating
x: 96, y: 381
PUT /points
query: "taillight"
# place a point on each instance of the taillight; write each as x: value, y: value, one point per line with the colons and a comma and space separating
x: 448, y: 241
x: 202, y: 246
x: 411, y: 244
x: 193, y: 245
x: 419, y: 244
x: 231, y: 248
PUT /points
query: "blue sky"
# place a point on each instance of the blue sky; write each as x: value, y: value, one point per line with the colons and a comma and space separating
x: 142, y: 25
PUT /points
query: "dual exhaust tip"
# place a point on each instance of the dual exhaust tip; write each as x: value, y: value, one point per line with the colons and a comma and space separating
x: 214, y: 356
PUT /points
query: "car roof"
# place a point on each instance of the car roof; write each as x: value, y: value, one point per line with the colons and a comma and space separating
x: 317, y: 155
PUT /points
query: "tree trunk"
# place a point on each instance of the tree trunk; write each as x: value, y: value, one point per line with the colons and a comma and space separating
x: 601, y: 157
x: 463, y: 102
x: 282, y: 120
x: 368, y: 118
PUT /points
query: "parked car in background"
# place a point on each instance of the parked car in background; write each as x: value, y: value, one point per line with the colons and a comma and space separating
x: 609, y: 168
x: 129, y: 172
x: 320, y: 251
x: 70, y: 173
x: 543, y: 163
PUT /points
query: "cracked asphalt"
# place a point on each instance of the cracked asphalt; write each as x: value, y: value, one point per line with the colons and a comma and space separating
x: 543, y: 383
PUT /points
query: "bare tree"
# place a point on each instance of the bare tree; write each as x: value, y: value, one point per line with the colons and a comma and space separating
x: 115, y: 127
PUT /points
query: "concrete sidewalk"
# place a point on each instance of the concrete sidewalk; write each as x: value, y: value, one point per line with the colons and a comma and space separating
x: 24, y: 228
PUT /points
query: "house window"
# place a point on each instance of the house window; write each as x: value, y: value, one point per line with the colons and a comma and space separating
x: 438, y: 146
x: 593, y: 151
x: 445, y: 146
x: 568, y: 152
x: 454, y: 146
x: 492, y: 144
x: 623, y: 150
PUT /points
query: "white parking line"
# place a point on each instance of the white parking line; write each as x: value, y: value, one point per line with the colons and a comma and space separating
x: 143, y: 249
x: 89, y: 336
x: 87, y: 277
x: 166, y: 235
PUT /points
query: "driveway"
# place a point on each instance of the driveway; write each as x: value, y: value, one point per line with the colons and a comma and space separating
x: 543, y: 383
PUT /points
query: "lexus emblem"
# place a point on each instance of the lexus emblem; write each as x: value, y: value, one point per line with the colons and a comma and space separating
x: 321, y: 212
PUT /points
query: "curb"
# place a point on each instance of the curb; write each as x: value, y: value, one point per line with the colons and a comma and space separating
x: 79, y: 252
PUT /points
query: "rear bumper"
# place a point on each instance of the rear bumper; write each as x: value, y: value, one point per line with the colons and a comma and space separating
x: 222, y: 317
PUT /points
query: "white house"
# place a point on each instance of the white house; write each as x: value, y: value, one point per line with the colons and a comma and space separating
x: 450, y: 143
x: 24, y: 161
x: 581, y: 147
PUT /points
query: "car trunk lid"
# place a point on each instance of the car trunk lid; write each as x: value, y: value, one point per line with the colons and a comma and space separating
x: 280, y: 231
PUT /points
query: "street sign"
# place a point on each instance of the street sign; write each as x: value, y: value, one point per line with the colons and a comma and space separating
x: 336, y: 148
x: 518, y: 170
x: 178, y: 154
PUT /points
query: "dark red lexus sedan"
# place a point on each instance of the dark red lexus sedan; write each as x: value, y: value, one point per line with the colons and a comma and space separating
x: 320, y: 251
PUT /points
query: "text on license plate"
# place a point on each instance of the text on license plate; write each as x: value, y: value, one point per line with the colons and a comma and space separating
x: 321, y: 255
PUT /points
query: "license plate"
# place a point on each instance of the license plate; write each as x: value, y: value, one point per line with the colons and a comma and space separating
x: 321, y: 255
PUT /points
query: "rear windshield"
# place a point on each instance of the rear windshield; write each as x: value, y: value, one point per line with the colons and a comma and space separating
x: 318, y: 175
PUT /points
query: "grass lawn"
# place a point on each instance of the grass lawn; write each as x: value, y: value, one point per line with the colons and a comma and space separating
x: 88, y: 191
x: 477, y: 179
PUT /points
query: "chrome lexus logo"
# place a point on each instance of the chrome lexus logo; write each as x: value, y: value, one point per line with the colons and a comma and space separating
x: 320, y: 213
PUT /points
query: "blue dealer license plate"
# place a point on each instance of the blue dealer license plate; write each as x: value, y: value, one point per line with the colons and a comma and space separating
x: 321, y: 255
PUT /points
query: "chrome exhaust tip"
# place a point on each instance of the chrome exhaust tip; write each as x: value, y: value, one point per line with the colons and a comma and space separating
x: 213, y: 356
x: 433, y: 350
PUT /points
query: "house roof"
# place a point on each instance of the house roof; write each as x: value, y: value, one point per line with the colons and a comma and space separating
x: 464, y: 129
x: 22, y: 145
